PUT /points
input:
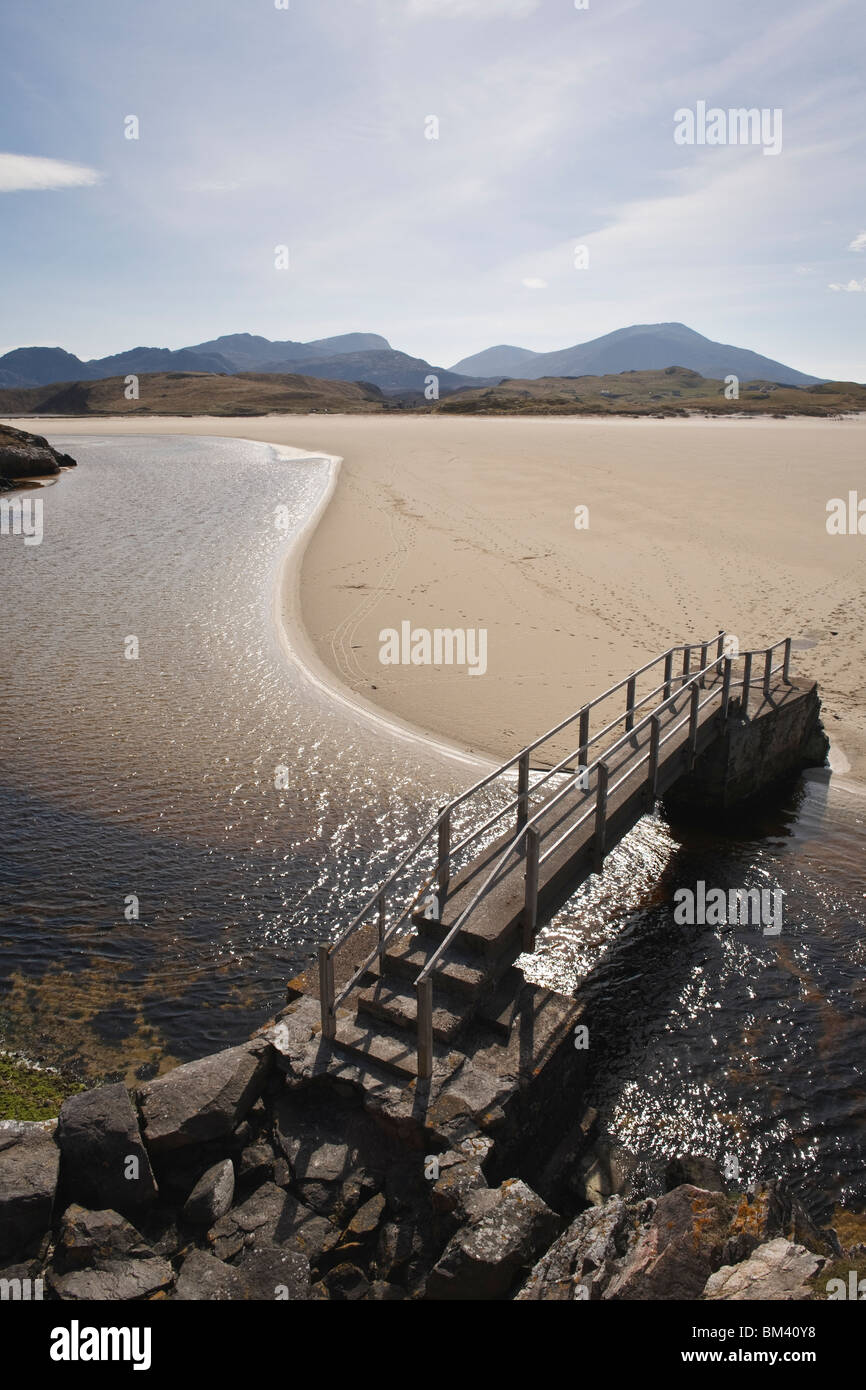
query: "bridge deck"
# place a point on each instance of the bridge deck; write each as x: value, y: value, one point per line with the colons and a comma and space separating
x: 494, y: 903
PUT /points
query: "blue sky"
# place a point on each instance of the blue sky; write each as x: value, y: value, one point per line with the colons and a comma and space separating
x: 306, y: 127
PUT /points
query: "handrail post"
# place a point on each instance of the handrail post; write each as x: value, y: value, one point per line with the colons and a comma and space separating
x: 786, y: 669
x: 669, y: 673
x: 530, y: 898
x: 326, y: 992
x: 693, y: 725
x: 425, y: 1029
x: 630, y: 691
x: 747, y: 683
x: 600, y: 816
x: 768, y: 667
x: 726, y: 688
x: 655, y: 735
x: 583, y: 736
x: 687, y: 663
x: 443, y: 870
x: 522, y: 790
x: 720, y: 645
x: 705, y: 646
x: 380, y: 903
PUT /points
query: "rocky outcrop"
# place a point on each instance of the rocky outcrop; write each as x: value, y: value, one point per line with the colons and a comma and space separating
x: 24, y: 455
x: 203, y: 1100
x: 775, y: 1271
x: 240, y: 1178
x: 29, y: 1166
x: 689, y: 1244
x: 103, y: 1159
x: 212, y: 1195
x: 100, y: 1255
x: 505, y: 1231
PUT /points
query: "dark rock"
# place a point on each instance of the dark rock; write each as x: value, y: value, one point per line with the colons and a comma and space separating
x: 684, y: 1244
x: 206, y: 1099
x: 276, y: 1273
x: 407, y: 1250
x: 96, y: 1237
x: 120, y: 1281
x: 258, y: 1163
x: 508, y: 1228
x: 606, y: 1171
x: 693, y: 1169
x: 273, y: 1217
x: 203, y: 1277
x: 212, y: 1195
x: 344, y: 1283
x: 366, y: 1218
x: 22, y: 1282
x: 29, y: 1166
x: 382, y: 1292
x: 460, y: 1176
x: 581, y: 1263
x: 100, y: 1255
x: 25, y: 455
x: 103, y: 1160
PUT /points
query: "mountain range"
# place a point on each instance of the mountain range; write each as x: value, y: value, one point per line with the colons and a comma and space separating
x: 368, y: 357
x: 642, y: 347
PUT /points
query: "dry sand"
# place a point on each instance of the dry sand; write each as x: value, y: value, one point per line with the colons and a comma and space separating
x: 469, y: 523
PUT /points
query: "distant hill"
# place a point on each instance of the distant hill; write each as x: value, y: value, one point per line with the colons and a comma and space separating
x: 40, y: 366
x: 668, y: 392
x: 642, y: 347
x: 247, y: 352
x: 347, y: 357
x: 370, y: 357
x: 496, y: 361
x: 188, y: 393
x: 37, y: 366
x: 389, y: 370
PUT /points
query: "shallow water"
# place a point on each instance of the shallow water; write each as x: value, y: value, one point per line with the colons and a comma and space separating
x: 720, y: 1040
x: 155, y: 778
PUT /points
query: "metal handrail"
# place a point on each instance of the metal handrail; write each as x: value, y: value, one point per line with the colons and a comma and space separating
x: 446, y: 811
x: 543, y: 811
x: 447, y: 854
x: 424, y: 980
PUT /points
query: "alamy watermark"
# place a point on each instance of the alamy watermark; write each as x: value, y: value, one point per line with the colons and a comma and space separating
x: 737, y: 126
x: 22, y: 516
x: 846, y: 518
x: 713, y: 907
x: 443, y: 646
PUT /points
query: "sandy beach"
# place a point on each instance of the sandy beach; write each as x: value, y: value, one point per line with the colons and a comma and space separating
x: 693, y: 525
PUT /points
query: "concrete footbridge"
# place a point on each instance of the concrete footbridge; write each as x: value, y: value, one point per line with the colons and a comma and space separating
x: 425, y: 972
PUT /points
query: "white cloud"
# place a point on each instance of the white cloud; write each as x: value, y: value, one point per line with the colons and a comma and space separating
x: 852, y: 287
x: 25, y: 172
x: 472, y: 9
x: 533, y: 284
x: 859, y: 242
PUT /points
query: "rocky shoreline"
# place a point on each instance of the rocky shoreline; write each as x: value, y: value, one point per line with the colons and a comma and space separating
x: 25, y: 456
x: 247, y: 1176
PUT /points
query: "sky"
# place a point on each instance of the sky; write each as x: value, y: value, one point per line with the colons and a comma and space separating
x: 307, y: 127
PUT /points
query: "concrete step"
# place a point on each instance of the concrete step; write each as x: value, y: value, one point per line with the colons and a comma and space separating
x: 457, y: 973
x: 393, y: 1050
x: 395, y: 1003
x: 500, y: 1009
x: 493, y: 940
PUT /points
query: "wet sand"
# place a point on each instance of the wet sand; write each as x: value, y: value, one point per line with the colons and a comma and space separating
x: 694, y: 525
